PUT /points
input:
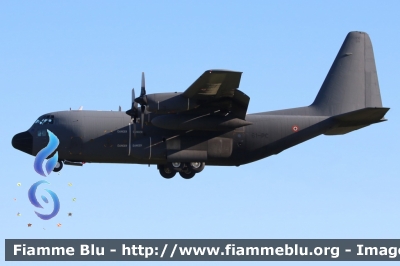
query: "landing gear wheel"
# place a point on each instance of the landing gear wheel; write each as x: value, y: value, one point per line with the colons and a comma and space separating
x: 166, y: 171
x: 187, y: 174
x: 58, y: 166
x: 196, y: 167
x: 176, y: 166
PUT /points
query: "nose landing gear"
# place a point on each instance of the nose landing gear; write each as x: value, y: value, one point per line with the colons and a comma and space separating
x: 58, y: 166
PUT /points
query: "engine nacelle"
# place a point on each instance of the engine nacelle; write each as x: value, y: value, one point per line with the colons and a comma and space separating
x: 168, y: 103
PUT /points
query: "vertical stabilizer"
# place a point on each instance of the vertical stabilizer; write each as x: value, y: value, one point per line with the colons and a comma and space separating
x: 352, y: 81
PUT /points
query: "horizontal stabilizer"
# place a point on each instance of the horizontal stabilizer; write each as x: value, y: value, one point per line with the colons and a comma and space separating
x: 351, y: 121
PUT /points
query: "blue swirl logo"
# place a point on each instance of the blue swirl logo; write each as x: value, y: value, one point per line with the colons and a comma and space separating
x: 38, y: 166
x: 34, y: 201
x: 44, y: 153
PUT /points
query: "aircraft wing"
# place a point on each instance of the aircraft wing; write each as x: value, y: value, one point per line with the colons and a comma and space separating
x: 216, y: 90
x: 214, y: 84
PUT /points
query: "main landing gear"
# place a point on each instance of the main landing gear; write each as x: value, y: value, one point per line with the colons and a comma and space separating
x: 186, y: 170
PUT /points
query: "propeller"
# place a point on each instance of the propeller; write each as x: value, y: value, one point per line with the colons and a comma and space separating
x: 142, y: 99
x: 133, y: 112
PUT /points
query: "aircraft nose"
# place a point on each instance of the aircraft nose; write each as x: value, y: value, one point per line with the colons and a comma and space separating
x: 23, y: 141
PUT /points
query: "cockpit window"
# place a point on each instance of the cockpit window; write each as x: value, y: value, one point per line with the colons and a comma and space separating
x: 46, y: 119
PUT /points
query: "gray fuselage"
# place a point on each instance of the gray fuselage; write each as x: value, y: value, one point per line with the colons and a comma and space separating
x: 110, y: 137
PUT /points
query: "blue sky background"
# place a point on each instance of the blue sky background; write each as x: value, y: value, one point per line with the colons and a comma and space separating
x: 57, y: 55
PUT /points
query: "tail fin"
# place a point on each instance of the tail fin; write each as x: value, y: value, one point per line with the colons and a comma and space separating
x: 352, y: 81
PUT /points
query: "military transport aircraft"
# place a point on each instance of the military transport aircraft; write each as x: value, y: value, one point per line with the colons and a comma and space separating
x: 207, y: 124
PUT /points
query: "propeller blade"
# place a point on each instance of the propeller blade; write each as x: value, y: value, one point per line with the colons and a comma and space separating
x: 134, y: 103
x: 142, y: 115
x: 143, y: 87
x: 133, y: 112
x: 142, y: 100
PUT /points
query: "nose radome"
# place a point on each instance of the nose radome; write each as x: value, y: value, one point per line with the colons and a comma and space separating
x: 23, y: 141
